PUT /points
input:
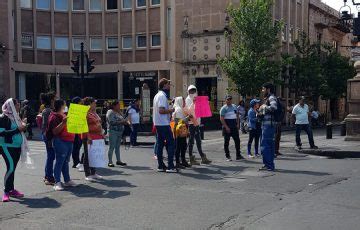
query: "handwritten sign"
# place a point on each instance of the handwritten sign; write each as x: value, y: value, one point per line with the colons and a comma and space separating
x: 202, y: 107
x: 97, y: 157
x: 77, y: 122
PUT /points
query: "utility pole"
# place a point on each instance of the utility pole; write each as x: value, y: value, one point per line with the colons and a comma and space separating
x: 82, y: 73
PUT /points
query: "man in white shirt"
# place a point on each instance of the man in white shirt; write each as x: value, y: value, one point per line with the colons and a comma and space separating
x: 161, y: 120
x: 301, y: 114
x: 134, y: 120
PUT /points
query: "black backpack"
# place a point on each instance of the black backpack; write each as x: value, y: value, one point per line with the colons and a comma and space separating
x: 279, y: 113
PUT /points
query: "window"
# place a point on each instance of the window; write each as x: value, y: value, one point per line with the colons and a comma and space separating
x: 43, y: 4
x: 77, y: 43
x: 140, y: 3
x: 127, y: 42
x: 27, y: 41
x: 78, y: 5
x: 61, y: 43
x: 61, y: 5
x: 26, y: 3
x: 155, y: 2
x: 126, y: 4
x: 95, y: 43
x: 43, y: 42
x: 155, y: 40
x: 112, y: 43
x: 169, y: 22
x: 141, y: 41
x: 111, y: 4
x: 95, y: 5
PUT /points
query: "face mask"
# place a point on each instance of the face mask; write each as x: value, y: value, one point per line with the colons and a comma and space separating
x: 192, y: 96
x: 167, y: 92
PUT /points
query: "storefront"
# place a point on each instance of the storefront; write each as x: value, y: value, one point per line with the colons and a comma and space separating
x: 133, y: 81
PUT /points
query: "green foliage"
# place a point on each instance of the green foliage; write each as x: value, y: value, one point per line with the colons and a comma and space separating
x: 253, y: 37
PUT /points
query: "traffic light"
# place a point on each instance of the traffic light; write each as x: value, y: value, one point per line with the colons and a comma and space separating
x: 76, y: 65
x: 89, y: 64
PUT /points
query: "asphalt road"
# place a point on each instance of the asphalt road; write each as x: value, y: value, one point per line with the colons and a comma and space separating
x: 306, y: 192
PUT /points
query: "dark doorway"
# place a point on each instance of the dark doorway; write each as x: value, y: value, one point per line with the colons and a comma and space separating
x: 207, y: 87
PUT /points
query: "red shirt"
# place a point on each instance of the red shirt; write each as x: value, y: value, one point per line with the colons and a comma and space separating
x: 95, y: 128
x: 54, y: 120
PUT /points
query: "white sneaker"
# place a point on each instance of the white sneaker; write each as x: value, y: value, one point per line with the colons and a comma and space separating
x: 80, y: 167
x: 70, y: 183
x: 90, y: 178
x: 96, y: 176
x: 58, y: 186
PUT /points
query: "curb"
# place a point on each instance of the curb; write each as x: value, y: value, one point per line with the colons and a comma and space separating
x: 336, y: 154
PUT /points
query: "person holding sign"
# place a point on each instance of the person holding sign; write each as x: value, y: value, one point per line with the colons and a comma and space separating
x: 194, y: 127
x: 95, y: 133
x: 62, y: 141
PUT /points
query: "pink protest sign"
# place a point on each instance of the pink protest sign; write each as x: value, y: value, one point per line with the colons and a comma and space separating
x: 202, y: 107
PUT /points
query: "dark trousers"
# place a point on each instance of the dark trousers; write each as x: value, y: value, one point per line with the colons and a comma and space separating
x: 307, y: 129
x: 76, y: 150
x: 164, y: 133
x: 180, y: 150
x: 11, y: 157
x: 277, y: 137
x: 195, y: 135
x: 254, y: 134
x: 29, y: 130
x: 134, y: 133
x: 89, y: 171
x: 234, y: 133
x: 268, y: 146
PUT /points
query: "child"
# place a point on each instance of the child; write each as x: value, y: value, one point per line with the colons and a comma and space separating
x: 181, y: 133
x: 254, y: 127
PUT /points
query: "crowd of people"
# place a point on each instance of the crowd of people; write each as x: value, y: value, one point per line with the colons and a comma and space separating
x: 264, y: 122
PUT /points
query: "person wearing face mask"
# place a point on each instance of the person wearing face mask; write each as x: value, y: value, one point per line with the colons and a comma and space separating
x: 194, y: 127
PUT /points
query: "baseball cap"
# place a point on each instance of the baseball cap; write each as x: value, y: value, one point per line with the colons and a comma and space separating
x: 228, y: 97
x: 163, y: 82
x: 254, y: 102
x: 192, y: 87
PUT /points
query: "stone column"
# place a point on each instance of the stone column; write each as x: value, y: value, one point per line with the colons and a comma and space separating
x: 353, y: 97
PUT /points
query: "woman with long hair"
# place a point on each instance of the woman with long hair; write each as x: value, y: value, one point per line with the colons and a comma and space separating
x: 13, y: 144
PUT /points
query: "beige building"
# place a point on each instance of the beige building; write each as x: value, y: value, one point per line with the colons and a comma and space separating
x: 136, y: 42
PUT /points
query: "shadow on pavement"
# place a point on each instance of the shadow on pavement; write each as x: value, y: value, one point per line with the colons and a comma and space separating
x: 138, y: 168
x: 111, y: 172
x: 44, y: 202
x: 311, y: 173
x: 116, y: 183
x: 88, y: 191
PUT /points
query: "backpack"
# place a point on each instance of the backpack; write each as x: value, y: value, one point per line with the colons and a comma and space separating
x: 181, y: 129
x: 279, y: 113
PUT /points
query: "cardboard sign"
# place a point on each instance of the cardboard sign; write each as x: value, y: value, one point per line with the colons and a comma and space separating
x: 97, y: 158
x: 77, y: 122
x: 202, y: 107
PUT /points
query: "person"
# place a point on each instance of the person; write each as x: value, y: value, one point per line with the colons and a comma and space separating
x: 181, y: 132
x: 278, y: 129
x: 242, y: 113
x: 301, y: 115
x: 95, y: 133
x: 266, y: 112
x: 315, y: 117
x: 27, y: 113
x: 194, y: 127
x: 48, y: 101
x: 161, y: 120
x: 254, y: 127
x: 230, y: 121
x: 77, y: 163
x: 134, y: 121
x: 115, y: 125
x: 62, y: 141
x: 11, y: 141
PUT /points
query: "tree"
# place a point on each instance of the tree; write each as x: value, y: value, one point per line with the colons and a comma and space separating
x: 254, y: 38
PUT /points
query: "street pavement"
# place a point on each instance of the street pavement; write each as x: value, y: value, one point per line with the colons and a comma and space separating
x: 305, y: 192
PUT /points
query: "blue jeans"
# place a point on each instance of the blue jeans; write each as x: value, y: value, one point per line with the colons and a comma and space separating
x: 134, y: 133
x: 50, y: 157
x: 63, y: 150
x: 307, y: 129
x: 268, y: 146
x: 163, y: 133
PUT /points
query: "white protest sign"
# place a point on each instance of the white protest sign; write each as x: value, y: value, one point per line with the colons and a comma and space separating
x: 97, y: 158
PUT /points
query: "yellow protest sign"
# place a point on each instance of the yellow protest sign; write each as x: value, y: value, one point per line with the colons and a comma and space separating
x: 76, y: 122
x: 122, y: 106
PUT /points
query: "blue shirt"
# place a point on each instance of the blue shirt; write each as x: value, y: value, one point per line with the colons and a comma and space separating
x: 252, y: 119
x: 301, y: 114
x: 229, y: 113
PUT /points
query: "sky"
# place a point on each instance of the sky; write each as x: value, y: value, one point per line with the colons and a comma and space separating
x: 337, y: 4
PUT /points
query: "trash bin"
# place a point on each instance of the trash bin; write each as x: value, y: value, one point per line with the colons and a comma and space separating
x: 329, y: 130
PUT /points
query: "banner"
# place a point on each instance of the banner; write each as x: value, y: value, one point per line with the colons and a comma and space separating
x: 76, y: 122
x: 97, y: 158
x: 202, y: 107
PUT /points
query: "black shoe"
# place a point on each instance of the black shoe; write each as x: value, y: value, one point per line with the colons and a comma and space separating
x: 298, y: 148
x: 111, y: 165
x: 264, y: 168
x: 121, y: 163
x: 314, y: 147
x: 179, y: 166
x: 163, y: 169
x: 185, y: 164
x: 239, y: 157
x: 278, y: 154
